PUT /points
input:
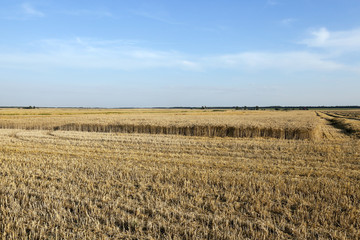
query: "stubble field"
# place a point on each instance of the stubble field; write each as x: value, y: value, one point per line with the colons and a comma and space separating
x: 178, y: 174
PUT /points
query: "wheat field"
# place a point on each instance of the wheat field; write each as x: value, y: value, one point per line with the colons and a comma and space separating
x: 94, y: 180
x: 210, y: 123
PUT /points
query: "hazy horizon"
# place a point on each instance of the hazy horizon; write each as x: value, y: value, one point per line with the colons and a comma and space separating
x: 180, y: 53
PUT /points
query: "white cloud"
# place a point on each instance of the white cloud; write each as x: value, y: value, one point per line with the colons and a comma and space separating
x: 334, y: 40
x: 319, y: 38
x: 28, y: 9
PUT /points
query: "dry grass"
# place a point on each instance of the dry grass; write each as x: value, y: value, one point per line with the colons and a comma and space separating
x: 88, y: 185
x: 283, y: 125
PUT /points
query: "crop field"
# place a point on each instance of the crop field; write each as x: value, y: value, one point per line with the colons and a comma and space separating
x: 178, y: 174
x: 298, y: 125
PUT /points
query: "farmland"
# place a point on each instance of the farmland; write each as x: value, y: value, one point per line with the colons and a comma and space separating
x: 179, y: 174
x: 296, y: 125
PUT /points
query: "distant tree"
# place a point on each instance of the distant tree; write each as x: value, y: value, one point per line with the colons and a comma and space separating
x: 245, y: 108
x: 237, y: 108
x: 257, y: 108
x: 29, y: 107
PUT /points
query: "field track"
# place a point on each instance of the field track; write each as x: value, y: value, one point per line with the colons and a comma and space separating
x: 348, y: 123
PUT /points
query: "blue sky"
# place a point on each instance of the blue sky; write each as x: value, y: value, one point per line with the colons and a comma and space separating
x: 179, y: 53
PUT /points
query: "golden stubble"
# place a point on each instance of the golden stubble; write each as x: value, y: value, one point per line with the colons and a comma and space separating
x: 93, y: 185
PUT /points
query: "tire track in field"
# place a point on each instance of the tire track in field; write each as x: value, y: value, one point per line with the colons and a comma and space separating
x: 339, y: 123
x: 328, y: 130
x: 339, y: 115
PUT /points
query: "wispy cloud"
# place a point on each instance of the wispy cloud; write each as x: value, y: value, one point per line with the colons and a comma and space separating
x: 87, y: 12
x: 88, y: 53
x: 30, y: 10
x: 280, y: 61
x: 161, y: 17
x: 128, y: 55
x: 336, y: 40
x: 272, y: 2
x: 216, y: 29
x: 288, y: 21
x: 24, y: 11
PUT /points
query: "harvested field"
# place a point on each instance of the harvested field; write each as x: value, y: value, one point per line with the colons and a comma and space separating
x: 284, y: 125
x: 349, y: 114
x: 97, y: 185
x: 348, y: 122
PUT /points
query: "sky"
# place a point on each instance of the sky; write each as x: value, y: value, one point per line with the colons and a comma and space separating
x: 165, y: 53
